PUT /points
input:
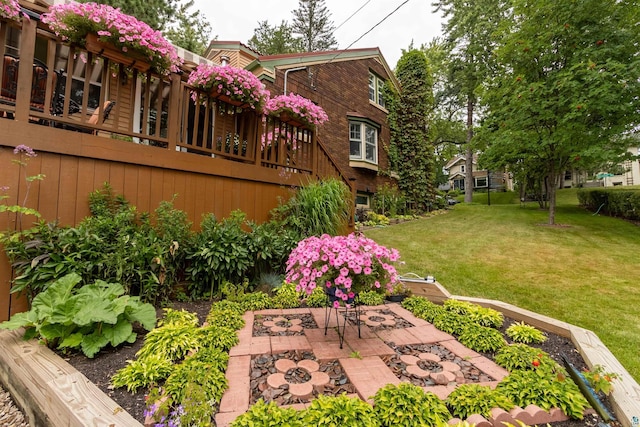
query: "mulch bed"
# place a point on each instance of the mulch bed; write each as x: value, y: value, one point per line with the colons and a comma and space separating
x: 100, y: 369
x: 260, y: 330
x: 399, y: 368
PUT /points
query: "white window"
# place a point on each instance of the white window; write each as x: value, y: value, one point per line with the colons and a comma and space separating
x: 375, y: 89
x: 481, y: 182
x: 362, y: 200
x: 363, y: 142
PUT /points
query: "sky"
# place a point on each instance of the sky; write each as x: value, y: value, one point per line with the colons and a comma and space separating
x: 414, y: 21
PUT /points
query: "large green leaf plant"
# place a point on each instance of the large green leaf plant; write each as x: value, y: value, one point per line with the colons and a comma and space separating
x: 85, y: 318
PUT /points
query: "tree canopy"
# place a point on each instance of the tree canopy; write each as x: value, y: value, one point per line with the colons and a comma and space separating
x: 312, y: 22
x: 272, y: 40
x: 175, y: 18
x: 566, y: 88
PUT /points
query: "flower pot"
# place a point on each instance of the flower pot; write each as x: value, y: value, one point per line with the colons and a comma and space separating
x: 131, y: 59
x: 227, y: 99
x: 331, y: 294
x: 396, y: 298
x: 291, y: 119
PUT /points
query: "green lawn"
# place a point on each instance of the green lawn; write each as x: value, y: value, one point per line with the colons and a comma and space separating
x: 584, y: 271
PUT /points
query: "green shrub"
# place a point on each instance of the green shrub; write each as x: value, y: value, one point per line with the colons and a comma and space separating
x: 408, y: 405
x: 339, y: 411
x: 227, y: 317
x: 286, y: 297
x: 423, y: 308
x: 178, y: 318
x: 370, y: 298
x: 538, y: 387
x: 86, y: 318
x: 220, y: 253
x: 389, y: 200
x: 254, y: 301
x: 452, y: 323
x: 193, y: 372
x: 481, y: 338
x: 469, y: 399
x: 619, y: 202
x: 478, y: 314
x: 174, y: 339
x: 318, y: 298
x: 142, y: 372
x: 268, y: 415
x: 521, y: 356
x: 522, y: 333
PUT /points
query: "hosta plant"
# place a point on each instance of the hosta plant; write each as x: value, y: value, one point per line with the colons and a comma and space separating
x: 423, y: 308
x: 481, y: 338
x: 469, y: 399
x: 85, y: 318
x: 599, y: 379
x: 142, y: 372
x: 268, y: 415
x: 520, y: 332
x: 545, y: 390
x: 340, y: 411
x: 408, y: 405
x: 370, y: 298
x: 481, y: 315
x: 521, y: 356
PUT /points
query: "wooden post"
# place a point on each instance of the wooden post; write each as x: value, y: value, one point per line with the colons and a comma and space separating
x: 174, y: 108
x: 25, y: 69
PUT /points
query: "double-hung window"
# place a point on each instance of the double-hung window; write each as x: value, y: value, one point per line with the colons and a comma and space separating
x: 375, y: 89
x: 363, y: 142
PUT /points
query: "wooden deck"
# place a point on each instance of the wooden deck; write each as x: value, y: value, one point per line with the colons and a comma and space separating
x: 53, y: 393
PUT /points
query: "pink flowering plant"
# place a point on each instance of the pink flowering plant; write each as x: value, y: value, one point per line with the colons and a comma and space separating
x: 298, y: 107
x: 238, y: 84
x: 9, y: 9
x: 73, y: 21
x: 343, y: 265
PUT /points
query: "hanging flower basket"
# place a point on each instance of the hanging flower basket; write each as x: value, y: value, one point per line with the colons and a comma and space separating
x: 132, y: 59
x: 296, y: 109
x: 125, y: 38
x: 9, y: 9
x: 229, y: 84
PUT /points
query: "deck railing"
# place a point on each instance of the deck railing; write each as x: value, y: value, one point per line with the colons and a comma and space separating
x: 51, y: 83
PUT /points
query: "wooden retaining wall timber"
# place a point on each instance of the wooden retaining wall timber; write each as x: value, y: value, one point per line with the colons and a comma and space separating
x: 76, y: 164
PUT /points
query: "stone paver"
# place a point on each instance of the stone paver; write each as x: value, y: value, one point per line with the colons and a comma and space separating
x: 368, y: 375
x: 283, y: 343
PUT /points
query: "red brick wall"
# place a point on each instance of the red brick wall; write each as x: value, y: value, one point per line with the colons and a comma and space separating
x: 341, y: 88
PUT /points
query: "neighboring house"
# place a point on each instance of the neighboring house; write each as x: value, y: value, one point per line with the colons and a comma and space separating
x: 456, y: 168
x: 348, y: 85
x: 630, y: 175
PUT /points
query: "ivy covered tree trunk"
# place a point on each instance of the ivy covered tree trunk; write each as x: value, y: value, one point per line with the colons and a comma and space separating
x: 409, y: 113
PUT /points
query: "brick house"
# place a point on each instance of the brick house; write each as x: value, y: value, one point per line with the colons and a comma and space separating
x: 347, y: 84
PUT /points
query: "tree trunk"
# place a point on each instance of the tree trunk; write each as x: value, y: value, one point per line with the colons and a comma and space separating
x: 551, y: 196
x: 468, y: 178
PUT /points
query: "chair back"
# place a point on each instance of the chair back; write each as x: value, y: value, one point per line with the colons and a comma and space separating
x: 9, y: 88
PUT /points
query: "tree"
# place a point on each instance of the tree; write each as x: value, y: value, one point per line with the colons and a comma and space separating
x: 567, y: 88
x: 189, y: 30
x: 469, y: 31
x: 270, y: 40
x: 311, y: 20
x: 155, y: 13
x: 182, y: 27
x: 409, y: 111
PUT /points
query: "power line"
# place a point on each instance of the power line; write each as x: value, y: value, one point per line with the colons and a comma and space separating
x: 368, y: 31
x: 352, y: 15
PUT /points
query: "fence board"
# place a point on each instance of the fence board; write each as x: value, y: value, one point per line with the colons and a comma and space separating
x: 131, y: 183
x: 86, y: 168
x: 144, y: 190
x: 50, y: 187
x: 67, y: 194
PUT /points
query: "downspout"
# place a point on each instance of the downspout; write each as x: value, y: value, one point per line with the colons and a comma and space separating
x: 286, y: 73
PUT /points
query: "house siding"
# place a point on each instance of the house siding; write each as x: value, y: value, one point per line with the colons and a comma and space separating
x: 341, y: 88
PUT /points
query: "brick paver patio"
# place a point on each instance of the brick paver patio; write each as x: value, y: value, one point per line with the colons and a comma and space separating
x: 361, y: 358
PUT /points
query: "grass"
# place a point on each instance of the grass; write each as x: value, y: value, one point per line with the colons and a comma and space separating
x: 583, y: 271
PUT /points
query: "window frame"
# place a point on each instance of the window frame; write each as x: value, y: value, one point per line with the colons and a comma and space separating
x: 376, y: 83
x: 363, y: 141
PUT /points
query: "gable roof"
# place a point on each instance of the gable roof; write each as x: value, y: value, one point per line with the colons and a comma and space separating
x: 266, y: 65
x: 459, y: 158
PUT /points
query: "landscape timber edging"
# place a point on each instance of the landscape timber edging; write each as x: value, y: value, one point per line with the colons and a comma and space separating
x: 625, y: 398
